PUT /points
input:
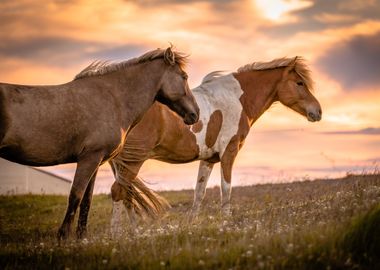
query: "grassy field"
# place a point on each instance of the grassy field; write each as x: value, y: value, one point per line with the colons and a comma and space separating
x: 325, y: 224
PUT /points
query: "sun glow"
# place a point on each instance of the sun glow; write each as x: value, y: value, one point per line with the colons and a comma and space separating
x: 276, y: 10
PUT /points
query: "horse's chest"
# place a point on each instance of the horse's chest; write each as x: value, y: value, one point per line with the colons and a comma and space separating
x: 219, y: 121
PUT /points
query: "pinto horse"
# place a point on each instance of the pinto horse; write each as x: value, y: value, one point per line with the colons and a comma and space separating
x: 86, y: 120
x: 229, y: 105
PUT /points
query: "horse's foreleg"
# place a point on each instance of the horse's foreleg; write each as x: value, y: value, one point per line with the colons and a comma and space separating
x: 226, y: 164
x: 85, y: 208
x: 204, y: 171
x: 86, y: 168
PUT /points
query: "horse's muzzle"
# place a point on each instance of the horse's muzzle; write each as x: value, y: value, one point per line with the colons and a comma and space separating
x: 314, y: 116
x: 191, y: 118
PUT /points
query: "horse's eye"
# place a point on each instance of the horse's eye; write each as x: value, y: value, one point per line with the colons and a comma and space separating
x: 185, y: 77
x: 300, y: 83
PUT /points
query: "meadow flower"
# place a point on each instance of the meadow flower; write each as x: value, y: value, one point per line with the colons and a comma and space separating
x: 85, y: 241
x: 289, y: 248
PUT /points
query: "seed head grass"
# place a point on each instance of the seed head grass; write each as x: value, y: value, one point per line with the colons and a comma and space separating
x: 322, y: 224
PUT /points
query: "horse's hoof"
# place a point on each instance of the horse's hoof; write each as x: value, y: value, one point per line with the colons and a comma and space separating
x: 192, y: 216
x: 62, y: 235
x: 81, y: 234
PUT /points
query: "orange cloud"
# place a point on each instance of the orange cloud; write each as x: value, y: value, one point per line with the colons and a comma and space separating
x: 49, y: 42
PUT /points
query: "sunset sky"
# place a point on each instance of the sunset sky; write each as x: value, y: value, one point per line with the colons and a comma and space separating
x: 49, y: 42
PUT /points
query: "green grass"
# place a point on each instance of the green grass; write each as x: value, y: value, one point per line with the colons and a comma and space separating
x: 327, y: 224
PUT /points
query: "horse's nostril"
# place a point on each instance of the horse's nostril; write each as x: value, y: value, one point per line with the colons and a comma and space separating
x: 311, y: 115
x: 193, y: 116
x: 320, y: 112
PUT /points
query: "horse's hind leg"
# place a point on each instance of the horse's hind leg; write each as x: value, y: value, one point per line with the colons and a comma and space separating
x: 87, y: 166
x: 117, y: 210
x: 85, y: 208
x: 124, y: 174
x: 204, y: 171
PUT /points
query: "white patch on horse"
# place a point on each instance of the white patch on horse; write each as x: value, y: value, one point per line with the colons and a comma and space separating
x: 218, y: 93
x: 204, y: 172
x: 117, y: 219
x: 225, y: 195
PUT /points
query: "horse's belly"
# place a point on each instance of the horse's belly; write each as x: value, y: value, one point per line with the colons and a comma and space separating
x: 180, y: 154
x: 36, y: 148
x: 33, y: 158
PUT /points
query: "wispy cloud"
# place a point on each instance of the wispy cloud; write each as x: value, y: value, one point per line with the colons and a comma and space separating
x: 48, y: 42
x: 182, y: 2
x: 365, y: 131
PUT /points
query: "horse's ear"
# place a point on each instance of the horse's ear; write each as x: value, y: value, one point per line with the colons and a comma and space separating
x: 169, y: 57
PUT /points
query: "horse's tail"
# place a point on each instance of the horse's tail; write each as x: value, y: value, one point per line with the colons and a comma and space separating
x: 146, y: 201
x: 141, y: 199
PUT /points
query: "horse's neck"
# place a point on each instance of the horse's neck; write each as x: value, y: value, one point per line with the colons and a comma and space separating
x: 138, y: 87
x: 259, y: 89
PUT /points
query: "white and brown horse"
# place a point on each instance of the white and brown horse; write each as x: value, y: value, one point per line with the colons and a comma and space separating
x: 86, y: 120
x: 229, y: 105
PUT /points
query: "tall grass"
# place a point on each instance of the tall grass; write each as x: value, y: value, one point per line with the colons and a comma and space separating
x: 362, y: 240
x: 304, y: 225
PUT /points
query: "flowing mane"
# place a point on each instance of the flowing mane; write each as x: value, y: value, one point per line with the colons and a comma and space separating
x: 104, y: 67
x: 300, y: 68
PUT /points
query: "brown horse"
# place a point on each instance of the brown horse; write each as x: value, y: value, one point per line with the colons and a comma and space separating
x: 86, y: 120
x: 229, y: 105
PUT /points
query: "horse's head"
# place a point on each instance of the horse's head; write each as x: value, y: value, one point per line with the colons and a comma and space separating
x: 294, y: 91
x: 175, y: 92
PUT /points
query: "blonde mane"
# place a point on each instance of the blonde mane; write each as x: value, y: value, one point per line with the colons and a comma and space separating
x: 213, y: 75
x: 300, y: 68
x: 97, y: 68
